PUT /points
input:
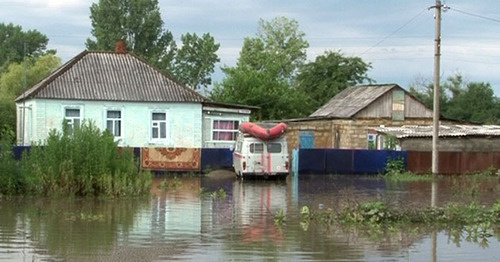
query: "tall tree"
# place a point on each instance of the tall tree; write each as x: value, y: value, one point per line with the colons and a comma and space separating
x: 329, y: 74
x: 423, y: 90
x: 11, y: 86
x: 472, y: 102
x: 475, y: 103
x: 139, y: 23
x: 11, y: 83
x: 12, y: 40
x: 266, y: 69
x: 7, y: 120
x: 195, y: 60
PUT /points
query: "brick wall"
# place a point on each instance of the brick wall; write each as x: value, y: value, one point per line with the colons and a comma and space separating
x: 343, y: 133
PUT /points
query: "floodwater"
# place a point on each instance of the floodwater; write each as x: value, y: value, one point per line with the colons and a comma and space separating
x: 185, y: 224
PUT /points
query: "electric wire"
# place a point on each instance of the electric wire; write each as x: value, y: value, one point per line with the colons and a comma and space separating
x: 394, y: 32
x: 475, y: 15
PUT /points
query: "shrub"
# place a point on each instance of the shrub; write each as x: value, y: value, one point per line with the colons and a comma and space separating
x: 83, y: 162
x: 11, y: 181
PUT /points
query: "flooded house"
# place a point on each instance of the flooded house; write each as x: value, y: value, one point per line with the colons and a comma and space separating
x: 140, y: 105
x: 348, y: 120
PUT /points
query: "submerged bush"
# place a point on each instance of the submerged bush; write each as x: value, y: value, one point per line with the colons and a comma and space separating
x: 83, y: 162
x: 11, y: 182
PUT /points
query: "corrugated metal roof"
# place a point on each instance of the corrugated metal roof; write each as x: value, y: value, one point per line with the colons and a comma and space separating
x: 111, y: 77
x: 352, y: 100
x: 444, y: 131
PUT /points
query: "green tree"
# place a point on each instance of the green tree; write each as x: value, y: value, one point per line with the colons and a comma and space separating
x: 476, y: 103
x: 424, y: 92
x: 12, y: 40
x: 472, y: 102
x: 11, y: 81
x: 139, y: 23
x: 266, y: 69
x: 11, y: 86
x: 7, y: 120
x: 328, y: 75
x: 195, y: 60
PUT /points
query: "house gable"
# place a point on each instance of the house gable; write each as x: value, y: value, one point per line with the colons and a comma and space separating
x: 385, y: 105
x: 372, y: 101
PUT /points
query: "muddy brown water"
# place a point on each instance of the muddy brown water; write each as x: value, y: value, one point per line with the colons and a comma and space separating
x: 185, y: 224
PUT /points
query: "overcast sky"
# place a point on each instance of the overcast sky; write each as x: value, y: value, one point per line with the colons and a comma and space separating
x: 396, y: 37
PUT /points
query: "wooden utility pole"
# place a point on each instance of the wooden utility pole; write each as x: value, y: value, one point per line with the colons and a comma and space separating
x: 435, y: 118
x: 24, y: 103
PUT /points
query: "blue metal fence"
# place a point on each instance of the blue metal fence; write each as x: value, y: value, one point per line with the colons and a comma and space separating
x: 216, y: 158
x: 342, y: 161
x: 305, y: 161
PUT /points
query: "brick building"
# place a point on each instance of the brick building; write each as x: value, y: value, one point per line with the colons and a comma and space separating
x: 349, y: 119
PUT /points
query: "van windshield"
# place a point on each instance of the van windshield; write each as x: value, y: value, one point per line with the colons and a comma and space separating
x: 274, y: 147
x: 256, y: 148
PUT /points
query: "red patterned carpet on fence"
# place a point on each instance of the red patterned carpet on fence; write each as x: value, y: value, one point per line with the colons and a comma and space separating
x: 171, y: 159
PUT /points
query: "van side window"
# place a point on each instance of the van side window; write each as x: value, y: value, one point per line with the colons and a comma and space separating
x: 256, y: 148
x: 274, y: 147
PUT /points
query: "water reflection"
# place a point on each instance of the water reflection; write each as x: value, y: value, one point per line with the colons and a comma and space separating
x: 180, y: 223
x: 59, y: 228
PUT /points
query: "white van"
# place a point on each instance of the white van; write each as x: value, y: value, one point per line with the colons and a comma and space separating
x: 255, y: 157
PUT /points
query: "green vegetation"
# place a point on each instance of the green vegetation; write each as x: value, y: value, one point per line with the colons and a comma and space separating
x: 272, y: 70
x: 478, y: 221
x: 11, y: 181
x: 170, y: 184
x: 395, y: 170
x: 218, y: 194
x: 279, y: 217
x: 86, y: 162
x: 473, y: 102
x: 140, y: 25
x: 12, y: 50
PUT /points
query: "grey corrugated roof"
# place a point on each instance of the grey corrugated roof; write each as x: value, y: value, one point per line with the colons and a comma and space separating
x: 444, y: 131
x: 111, y: 77
x: 352, y: 100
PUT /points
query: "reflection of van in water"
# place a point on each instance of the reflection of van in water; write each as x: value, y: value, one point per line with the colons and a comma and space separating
x: 256, y: 157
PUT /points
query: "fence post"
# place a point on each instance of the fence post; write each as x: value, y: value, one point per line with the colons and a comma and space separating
x: 295, y: 161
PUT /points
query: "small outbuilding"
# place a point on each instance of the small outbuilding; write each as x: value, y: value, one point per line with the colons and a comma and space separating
x: 348, y: 120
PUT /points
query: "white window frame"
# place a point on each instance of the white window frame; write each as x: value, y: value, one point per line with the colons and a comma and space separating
x: 71, y: 120
x: 234, y: 131
x: 121, y: 119
x: 153, y: 124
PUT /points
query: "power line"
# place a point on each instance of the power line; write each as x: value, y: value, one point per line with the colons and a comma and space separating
x: 395, y: 31
x: 475, y: 15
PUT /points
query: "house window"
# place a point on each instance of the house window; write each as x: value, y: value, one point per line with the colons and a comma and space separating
x: 73, y: 118
x: 398, y: 105
x: 159, y: 126
x: 372, y: 141
x: 225, y: 130
x: 114, y: 122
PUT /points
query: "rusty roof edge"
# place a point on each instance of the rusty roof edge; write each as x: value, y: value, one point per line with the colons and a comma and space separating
x: 32, y: 91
